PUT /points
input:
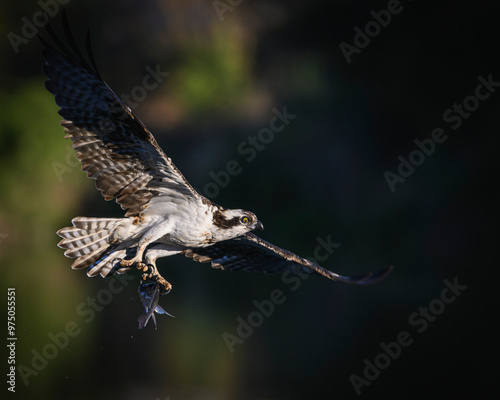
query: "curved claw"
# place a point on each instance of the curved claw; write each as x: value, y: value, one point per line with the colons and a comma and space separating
x: 151, y: 273
x: 165, y: 286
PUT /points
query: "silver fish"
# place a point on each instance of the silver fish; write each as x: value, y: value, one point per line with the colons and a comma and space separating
x: 150, y: 296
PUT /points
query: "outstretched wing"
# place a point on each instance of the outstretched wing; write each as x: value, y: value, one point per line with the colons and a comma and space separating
x: 113, y: 145
x: 251, y: 253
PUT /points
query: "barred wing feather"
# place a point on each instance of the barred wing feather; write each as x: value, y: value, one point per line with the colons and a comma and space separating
x: 113, y: 145
x: 251, y: 253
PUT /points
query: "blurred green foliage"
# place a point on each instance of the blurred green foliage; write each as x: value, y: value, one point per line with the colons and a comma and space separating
x: 215, y: 71
x: 32, y: 205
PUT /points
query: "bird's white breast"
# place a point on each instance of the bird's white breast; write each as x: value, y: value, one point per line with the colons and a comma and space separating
x: 188, y: 223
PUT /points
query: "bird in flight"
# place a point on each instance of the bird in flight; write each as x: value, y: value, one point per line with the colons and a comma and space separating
x: 164, y: 215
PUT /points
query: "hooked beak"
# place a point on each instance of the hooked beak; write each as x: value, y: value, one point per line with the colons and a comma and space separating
x: 258, y: 225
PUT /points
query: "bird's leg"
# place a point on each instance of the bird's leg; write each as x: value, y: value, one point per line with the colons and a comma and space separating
x: 149, y: 268
x: 154, y: 275
x: 137, y: 259
x: 154, y: 233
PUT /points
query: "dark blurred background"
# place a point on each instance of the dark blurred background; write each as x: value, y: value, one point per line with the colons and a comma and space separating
x: 229, y: 66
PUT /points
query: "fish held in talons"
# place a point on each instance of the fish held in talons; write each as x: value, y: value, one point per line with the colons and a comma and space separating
x: 149, y: 294
x: 151, y: 273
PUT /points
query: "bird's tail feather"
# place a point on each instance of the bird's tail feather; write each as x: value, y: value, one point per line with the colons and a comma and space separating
x: 88, y: 240
x: 109, y: 262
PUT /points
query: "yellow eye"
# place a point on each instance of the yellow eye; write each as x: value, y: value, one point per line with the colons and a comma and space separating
x: 245, y: 220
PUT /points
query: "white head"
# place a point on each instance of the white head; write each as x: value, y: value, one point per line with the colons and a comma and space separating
x: 229, y: 224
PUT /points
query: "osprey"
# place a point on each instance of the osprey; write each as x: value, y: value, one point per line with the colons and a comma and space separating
x: 164, y: 215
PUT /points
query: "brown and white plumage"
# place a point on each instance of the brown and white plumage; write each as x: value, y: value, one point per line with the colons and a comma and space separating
x: 114, y: 146
x: 251, y: 253
x: 165, y: 215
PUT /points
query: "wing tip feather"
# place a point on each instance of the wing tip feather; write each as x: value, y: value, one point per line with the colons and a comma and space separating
x: 364, y: 279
